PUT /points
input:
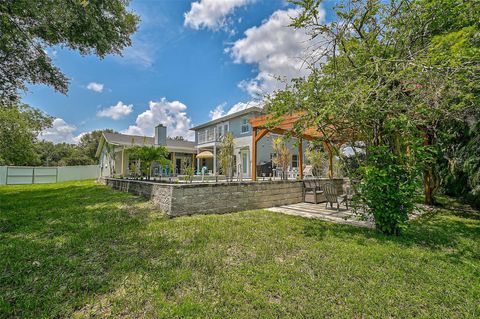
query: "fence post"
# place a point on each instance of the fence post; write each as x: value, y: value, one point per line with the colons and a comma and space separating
x: 33, y: 176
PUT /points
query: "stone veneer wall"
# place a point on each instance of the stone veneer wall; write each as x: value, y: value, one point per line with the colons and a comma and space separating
x: 215, y: 198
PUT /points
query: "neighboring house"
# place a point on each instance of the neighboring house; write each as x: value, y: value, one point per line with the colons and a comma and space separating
x: 208, y: 137
x: 113, y: 151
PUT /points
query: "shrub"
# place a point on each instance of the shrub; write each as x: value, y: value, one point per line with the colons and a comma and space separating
x: 387, y: 189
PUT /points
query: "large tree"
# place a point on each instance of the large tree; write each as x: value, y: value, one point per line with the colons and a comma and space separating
x: 89, y: 142
x: 29, y: 27
x: 62, y: 154
x: 19, y: 127
x: 388, y: 74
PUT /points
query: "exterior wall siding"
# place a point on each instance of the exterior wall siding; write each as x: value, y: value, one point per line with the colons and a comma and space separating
x: 244, y: 140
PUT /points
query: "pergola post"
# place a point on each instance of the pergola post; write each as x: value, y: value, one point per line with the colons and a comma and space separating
x: 255, y: 138
x: 254, y: 154
x: 328, y: 147
x: 300, y: 157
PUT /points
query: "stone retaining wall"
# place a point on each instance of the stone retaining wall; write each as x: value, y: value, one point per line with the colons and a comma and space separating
x: 214, y: 198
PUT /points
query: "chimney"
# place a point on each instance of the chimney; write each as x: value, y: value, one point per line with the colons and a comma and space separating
x: 160, y: 135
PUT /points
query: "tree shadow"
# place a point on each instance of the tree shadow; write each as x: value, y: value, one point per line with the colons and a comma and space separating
x: 442, y: 230
x: 61, y: 246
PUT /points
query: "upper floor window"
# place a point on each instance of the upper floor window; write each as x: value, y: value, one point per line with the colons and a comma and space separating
x: 245, y: 126
x: 201, y: 137
x: 222, y: 130
x: 294, y: 160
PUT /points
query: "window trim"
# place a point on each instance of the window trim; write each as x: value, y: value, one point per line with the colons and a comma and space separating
x: 245, y: 125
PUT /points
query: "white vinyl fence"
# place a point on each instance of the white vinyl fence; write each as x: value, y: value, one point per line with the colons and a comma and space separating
x: 10, y: 175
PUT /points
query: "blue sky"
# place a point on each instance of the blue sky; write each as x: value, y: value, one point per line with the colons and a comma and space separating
x: 190, y: 62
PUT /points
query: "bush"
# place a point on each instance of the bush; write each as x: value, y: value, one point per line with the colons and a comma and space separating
x: 387, y: 190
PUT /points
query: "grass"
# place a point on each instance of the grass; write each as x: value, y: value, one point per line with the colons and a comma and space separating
x: 79, y: 250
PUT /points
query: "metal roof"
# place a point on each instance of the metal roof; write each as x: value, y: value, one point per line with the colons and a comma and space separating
x: 134, y: 140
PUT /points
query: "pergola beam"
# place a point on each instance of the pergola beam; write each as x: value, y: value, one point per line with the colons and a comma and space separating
x: 267, y: 123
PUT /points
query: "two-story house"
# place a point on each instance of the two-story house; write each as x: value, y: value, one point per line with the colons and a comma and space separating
x: 208, y: 137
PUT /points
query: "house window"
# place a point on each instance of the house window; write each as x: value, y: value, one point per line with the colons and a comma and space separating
x: 210, y: 135
x: 201, y: 137
x: 294, y: 161
x: 245, y: 126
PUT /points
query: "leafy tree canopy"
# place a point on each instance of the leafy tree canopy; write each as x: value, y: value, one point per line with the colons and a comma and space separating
x: 28, y: 28
x: 89, y: 142
x: 19, y: 127
x: 389, y: 74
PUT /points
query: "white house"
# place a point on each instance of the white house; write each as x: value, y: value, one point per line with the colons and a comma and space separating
x: 181, y: 152
x: 208, y: 138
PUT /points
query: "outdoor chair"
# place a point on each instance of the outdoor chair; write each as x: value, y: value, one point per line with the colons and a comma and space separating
x: 332, y: 196
x: 292, y: 172
x: 308, y: 171
x: 311, y: 192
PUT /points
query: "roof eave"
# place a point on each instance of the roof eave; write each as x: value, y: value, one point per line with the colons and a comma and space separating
x: 227, y: 117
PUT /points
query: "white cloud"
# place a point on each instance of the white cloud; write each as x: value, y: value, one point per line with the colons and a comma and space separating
x: 240, y: 106
x: 96, y: 87
x: 116, y: 112
x: 77, y: 138
x: 277, y: 49
x: 172, y: 114
x: 212, y: 14
x: 60, y: 132
x: 141, y: 53
x: 219, y: 110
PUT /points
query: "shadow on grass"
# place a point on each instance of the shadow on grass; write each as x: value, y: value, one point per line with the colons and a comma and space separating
x: 444, y: 229
x: 60, y: 246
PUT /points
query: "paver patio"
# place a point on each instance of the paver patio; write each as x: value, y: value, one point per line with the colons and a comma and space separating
x: 343, y: 216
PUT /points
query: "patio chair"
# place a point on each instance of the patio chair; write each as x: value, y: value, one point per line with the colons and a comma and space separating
x: 292, y: 172
x: 332, y: 196
x: 308, y: 171
x: 311, y: 193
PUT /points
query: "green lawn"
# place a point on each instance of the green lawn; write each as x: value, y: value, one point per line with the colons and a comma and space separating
x: 79, y: 250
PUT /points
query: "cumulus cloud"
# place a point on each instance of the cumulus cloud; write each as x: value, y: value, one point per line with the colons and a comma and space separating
x: 172, y: 114
x: 116, y: 112
x: 60, y: 132
x: 219, y: 110
x: 278, y: 50
x: 96, y: 87
x: 212, y: 14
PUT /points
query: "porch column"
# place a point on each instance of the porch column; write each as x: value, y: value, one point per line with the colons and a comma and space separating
x: 122, y: 169
x: 254, y: 154
x: 174, y: 163
x: 214, y: 158
x: 300, y: 157
x: 198, y: 162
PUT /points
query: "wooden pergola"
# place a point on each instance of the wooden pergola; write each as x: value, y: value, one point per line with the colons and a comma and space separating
x: 262, y: 125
